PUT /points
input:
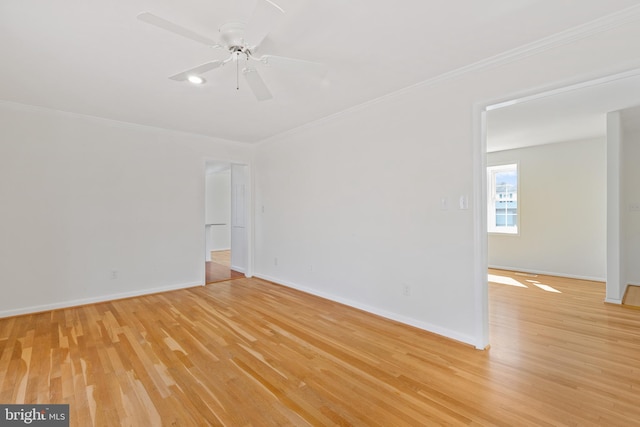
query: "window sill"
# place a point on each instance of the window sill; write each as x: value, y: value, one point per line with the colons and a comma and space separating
x: 503, y: 233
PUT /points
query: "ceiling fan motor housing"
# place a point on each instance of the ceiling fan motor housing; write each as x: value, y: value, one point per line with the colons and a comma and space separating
x: 240, y: 42
x: 232, y: 35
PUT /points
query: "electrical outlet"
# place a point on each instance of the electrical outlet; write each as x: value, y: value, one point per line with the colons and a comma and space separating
x: 444, y: 203
x: 114, y: 274
x: 406, y: 290
x: 275, y: 261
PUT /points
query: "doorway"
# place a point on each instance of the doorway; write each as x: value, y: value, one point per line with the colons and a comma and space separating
x: 583, y: 106
x: 225, y: 225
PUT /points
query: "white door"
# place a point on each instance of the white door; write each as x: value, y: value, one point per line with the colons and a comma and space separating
x: 239, y: 204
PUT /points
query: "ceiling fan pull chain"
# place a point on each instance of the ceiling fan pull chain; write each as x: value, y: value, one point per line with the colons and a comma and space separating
x: 237, y: 71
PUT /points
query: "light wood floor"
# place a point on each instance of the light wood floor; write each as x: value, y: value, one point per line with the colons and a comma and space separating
x: 632, y: 297
x: 221, y: 257
x: 219, y: 268
x: 248, y: 352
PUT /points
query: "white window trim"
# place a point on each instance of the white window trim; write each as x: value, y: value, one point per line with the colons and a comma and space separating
x: 491, y: 191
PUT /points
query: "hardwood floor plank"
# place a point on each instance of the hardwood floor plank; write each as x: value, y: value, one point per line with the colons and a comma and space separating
x: 248, y: 352
x: 219, y: 268
x: 632, y: 297
x: 221, y: 257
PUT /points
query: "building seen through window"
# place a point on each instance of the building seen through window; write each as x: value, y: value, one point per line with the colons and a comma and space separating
x: 503, y: 199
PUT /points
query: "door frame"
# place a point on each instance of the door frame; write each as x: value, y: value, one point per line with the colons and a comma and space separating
x: 249, y: 216
x: 481, y: 264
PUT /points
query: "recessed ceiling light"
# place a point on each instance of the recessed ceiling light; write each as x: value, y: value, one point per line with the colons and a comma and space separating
x: 196, y: 80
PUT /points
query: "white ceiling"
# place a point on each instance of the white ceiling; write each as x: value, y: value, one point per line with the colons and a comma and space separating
x: 95, y: 58
x: 567, y: 114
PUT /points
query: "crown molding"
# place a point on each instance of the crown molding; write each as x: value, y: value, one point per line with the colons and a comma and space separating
x: 596, y: 26
x: 105, y: 121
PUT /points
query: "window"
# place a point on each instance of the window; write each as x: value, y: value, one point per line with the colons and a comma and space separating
x: 503, y: 199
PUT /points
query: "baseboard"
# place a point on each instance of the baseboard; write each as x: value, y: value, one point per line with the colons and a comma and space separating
x: 619, y: 301
x: 238, y: 269
x: 549, y: 273
x: 94, y: 300
x: 447, y: 333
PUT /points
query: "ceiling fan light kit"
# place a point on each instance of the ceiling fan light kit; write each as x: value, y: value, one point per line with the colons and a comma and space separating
x: 240, y: 41
x: 196, y: 80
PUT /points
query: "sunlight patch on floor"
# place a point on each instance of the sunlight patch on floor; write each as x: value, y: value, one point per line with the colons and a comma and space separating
x: 548, y: 288
x: 504, y: 280
x: 544, y: 287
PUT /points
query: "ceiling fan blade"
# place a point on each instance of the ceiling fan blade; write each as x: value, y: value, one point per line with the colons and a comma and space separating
x: 265, y: 16
x: 257, y: 85
x: 296, y: 65
x: 200, y: 69
x: 154, y: 20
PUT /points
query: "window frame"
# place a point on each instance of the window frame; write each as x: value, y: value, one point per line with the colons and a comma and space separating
x: 492, y: 171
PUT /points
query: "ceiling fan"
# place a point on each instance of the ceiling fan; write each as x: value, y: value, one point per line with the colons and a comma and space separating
x: 242, y: 41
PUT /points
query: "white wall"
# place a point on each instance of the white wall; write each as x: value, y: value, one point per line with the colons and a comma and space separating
x: 630, y: 198
x: 562, y: 207
x: 352, y: 203
x: 218, y: 209
x: 82, y: 197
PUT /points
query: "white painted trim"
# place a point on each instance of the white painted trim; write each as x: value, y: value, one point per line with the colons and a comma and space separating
x: 480, y: 177
x: 548, y: 273
x: 251, y: 218
x: 598, y: 25
x: 557, y: 88
x: 601, y: 24
x: 238, y: 269
x: 95, y: 300
x: 480, y: 238
x: 447, y: 333
x: 116, y: 123
x: 250, y: 213
x: 565, y: 88
x: 615, y: 258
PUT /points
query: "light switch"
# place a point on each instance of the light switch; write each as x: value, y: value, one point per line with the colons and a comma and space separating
x: 464, y: 202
